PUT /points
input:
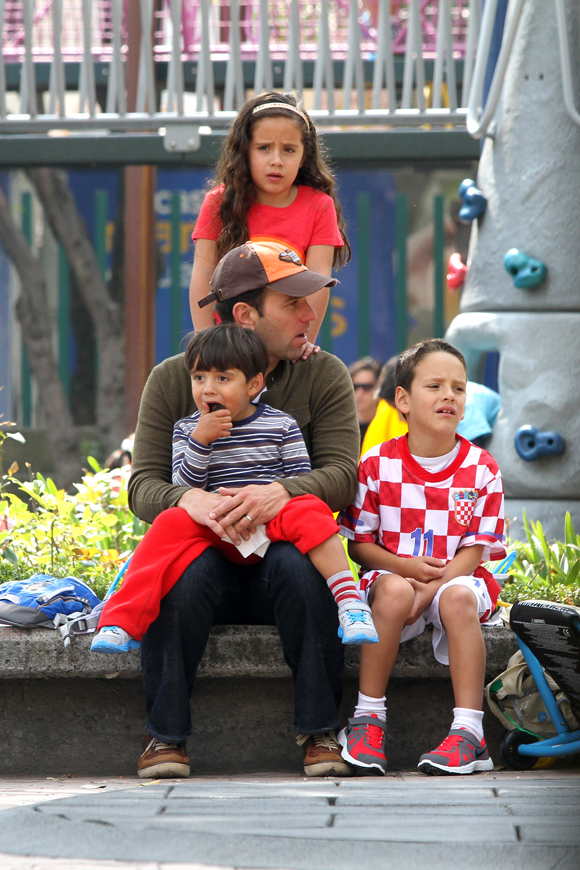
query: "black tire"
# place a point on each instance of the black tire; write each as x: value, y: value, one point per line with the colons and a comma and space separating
x: 509, y: 750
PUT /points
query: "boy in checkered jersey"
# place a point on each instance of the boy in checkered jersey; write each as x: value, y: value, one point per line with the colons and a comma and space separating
x: 429, y: 509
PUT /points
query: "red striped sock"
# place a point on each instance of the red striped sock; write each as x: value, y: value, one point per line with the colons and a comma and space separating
x: 343, y: 587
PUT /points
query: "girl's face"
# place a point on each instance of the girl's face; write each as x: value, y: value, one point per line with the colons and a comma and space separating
x: 275, y: 155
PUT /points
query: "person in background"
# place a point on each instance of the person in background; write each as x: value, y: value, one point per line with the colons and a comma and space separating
x: 365, y: 378
x: 481, y: 409
x: 123, y: 455
x: 387, y: 422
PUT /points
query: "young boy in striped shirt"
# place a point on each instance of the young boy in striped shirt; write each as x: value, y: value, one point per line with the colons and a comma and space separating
x: 429, y: 508
x: 231, y: 442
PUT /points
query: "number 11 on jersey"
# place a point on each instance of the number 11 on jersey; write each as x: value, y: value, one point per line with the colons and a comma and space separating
x: 422, y: 542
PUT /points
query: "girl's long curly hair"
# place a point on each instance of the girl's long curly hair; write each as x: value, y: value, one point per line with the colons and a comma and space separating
x: 233, y: 172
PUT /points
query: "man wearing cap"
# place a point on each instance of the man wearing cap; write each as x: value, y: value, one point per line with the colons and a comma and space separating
x: 262, y: 286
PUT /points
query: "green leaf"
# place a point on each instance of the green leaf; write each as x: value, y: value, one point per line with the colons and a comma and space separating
x: 10, y: 556
x: 94, y: 464
x: 530, y: 537
x: 572, y: 576
x: 50, y: 486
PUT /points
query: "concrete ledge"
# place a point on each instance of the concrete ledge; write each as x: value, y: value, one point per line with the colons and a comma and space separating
x: 251, y: 651
x: 72, y: 711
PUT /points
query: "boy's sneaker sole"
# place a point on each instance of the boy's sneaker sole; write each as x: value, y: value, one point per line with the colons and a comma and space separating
x: 103, y: 646
x: 433, y: 769
x: 113, y: 639
x: 460, y: 753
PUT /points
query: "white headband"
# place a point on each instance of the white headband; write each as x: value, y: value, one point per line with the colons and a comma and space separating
x: 280, y: 106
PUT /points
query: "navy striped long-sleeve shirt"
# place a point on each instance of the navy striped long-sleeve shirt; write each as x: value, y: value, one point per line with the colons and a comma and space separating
x: 261, y: 448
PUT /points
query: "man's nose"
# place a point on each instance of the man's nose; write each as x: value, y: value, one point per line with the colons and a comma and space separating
x: 308, y: 312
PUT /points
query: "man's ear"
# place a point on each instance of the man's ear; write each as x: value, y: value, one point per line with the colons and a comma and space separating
x: 245, y: 315
x: 402, y: 400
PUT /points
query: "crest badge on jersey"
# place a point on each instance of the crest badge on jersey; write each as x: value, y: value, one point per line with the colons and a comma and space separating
x: 465, y: 501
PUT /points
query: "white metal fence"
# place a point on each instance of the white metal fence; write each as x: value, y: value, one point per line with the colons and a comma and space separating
x: 370, y: 40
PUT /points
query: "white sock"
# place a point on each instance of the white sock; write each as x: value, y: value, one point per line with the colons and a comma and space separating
x: 343, y: 587
x: 463, y: 717
x: 367, y: 705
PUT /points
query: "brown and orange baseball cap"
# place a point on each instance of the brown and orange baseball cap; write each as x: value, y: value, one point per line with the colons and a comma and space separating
x: 263, y: 264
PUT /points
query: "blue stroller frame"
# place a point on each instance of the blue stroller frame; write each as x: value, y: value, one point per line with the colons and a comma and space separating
x: 549, y: 637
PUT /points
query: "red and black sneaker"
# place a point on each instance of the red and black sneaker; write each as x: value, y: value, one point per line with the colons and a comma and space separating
x: 461, y: 752
x: 363, y: 744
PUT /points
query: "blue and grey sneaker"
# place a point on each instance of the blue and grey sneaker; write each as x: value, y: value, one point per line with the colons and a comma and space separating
x: 461, y: 752
x: 112, y: 639
x: 356, y: 623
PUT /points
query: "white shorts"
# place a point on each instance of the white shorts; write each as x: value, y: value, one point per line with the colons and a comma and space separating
x: 431, y: 615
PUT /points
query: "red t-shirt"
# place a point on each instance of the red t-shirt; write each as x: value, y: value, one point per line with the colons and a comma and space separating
x: 309, y: 220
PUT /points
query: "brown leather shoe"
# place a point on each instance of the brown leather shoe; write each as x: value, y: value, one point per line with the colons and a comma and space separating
x: 322, y: 755
x: 162, y: 760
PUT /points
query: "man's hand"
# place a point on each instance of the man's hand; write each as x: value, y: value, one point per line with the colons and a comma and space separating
x: 423, y: 568
x: 198, y: 504
x: 424, y: 595
x: 212, y: 425
x: 244, y: 508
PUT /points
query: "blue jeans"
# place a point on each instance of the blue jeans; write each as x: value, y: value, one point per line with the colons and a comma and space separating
x: 285, y: 590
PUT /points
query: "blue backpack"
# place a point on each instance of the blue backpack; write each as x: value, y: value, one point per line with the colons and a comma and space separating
x: 43, y: 601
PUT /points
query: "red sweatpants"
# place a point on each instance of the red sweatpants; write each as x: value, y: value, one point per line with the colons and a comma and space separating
x: 175, y: 540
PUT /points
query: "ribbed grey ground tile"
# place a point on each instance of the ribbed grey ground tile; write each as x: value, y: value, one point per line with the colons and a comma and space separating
x: 476, y: 823
x: 552, y: 831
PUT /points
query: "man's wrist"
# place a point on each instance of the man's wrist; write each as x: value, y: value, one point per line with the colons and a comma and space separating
x: 193, y: 494
x: 283, y: 491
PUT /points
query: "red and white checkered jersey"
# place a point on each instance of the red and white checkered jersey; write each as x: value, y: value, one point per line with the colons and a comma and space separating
x: 410, y: 512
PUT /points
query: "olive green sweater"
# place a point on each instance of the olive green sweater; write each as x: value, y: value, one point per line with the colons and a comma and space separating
x: 318, y: 393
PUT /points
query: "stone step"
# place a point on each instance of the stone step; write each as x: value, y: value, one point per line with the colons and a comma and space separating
x: 72, y: 711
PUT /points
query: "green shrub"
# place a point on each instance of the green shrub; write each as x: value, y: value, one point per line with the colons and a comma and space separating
x: 548, y: 571
x: 86, y: 535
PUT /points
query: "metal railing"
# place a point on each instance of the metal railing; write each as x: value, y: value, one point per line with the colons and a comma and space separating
x: 366, y: 42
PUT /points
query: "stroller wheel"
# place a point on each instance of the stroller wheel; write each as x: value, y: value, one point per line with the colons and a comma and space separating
x: 509, y: 750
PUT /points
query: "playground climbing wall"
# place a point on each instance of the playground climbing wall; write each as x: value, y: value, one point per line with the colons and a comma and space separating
x: 521, y: 296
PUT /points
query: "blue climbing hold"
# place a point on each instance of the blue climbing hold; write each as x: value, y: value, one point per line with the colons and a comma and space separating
x: 474, y: 202
x: 531, y: 444
x: 527, y: 271
x: 464, y: 186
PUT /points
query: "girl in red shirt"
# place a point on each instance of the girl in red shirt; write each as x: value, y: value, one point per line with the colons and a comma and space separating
x: 271, y: 184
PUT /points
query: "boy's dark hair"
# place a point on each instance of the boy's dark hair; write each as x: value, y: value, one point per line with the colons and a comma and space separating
x: 386, y: 389
x: 233, y: 171
x: 410, y: 359
x: 255, y: 298
x: 227, y: 347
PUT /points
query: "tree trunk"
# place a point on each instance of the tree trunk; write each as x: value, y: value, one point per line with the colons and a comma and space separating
x: 69, y: 228
x: 33, y: 313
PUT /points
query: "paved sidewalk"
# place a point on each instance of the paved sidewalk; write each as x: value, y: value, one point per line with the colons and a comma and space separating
x: 520, y: 821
